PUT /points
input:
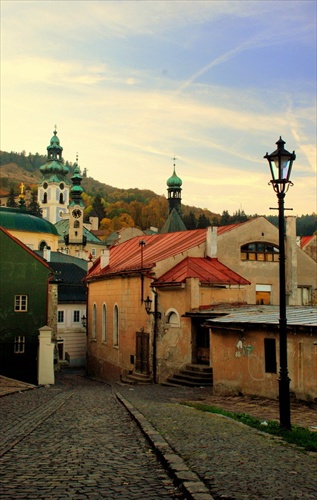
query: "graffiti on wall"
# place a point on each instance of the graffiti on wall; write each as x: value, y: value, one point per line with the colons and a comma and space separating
x: 243, y: 350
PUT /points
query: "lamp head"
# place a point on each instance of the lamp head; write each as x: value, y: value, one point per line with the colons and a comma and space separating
x: 281, y: 162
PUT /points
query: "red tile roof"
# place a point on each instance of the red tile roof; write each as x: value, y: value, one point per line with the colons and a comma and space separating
x: 207, y: 270
x: 127, y: 256
x: 305, y: 240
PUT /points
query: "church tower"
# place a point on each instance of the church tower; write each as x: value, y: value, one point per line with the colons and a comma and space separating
x: 174, y: 191
x: 53, y: 190
x: 76, y: 211
x: 174, y: 221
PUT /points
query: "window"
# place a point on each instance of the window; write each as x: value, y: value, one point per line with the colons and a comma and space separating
x: 60, y: 316
x: 270, y: 355
x: 19, y: 344
x: 76, y: 224
x: 21, y: 303
x: 172, y: 318
x: 260, y: 251
x: 116, y: 326
x: 94, y: 321
x: 104, y: 324
x: 61, y: 198
x: 76, y: 316
x: 304, y: 295
x: 93, y: 252
x: 45, y: 198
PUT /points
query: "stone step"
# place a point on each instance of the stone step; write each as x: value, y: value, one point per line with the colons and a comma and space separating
x: 192, y: 375
x: 137, y: 378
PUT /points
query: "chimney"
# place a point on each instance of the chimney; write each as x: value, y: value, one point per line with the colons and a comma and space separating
x: 105, y: 258
x: 291, y: 261
x: 211, y: 242
x: 47, y: 253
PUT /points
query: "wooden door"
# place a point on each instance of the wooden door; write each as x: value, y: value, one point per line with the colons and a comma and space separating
x: 142, y: 352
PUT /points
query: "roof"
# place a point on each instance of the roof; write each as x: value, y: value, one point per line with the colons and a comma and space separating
x: 62, y: 257
x: 207, y: 270
x: 173, y: 223
x: 296, y: 315
x: 24, y: 247
x: 126, y: 257
x: 15, y: 219
x: 69, y: 278
x: 305, y: 240
x: 62, y: 227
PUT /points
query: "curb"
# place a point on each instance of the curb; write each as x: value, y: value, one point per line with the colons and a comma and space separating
x: 187, y: 481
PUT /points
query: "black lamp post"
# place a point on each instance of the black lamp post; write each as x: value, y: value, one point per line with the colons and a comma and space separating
x: 157, y: 315
x: 281, y: 162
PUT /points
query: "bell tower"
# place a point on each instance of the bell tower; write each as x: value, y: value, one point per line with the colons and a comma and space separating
x: 174, y: 191
x: 53, y: 189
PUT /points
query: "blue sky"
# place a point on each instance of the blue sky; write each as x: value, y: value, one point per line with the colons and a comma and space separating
x: 131, y: 84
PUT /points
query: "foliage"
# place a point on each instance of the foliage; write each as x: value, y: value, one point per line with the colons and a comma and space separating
x: 11, y: 199
x: 300, y: 436
x: 34, y: 207
x: 306, y: 225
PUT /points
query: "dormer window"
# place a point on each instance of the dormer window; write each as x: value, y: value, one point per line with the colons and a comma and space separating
x: 260, y: 251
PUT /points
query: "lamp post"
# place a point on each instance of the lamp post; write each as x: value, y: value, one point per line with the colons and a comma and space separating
x: 157, y: 315
x: 281, y: 162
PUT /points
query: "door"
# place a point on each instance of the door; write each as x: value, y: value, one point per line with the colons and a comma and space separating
x: 142, y: 353
x: 200, y: 343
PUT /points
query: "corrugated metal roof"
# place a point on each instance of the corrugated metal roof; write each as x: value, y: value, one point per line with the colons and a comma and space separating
x: 305, y: 240
x: 296, y: 315
x: 127, y: 255
x: 207, y: 270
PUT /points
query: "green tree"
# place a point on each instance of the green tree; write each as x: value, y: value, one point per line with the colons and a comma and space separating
x: 34, y: 207
x: 98, y: 209
x: 11, y: 199
x: 190, y: 220
x: 203, y: 222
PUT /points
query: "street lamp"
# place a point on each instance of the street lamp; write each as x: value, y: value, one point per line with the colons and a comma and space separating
x: 148, y: 304
x: 281, y: 162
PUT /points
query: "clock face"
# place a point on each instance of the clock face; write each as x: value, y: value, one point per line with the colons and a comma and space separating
x: 76, y: 213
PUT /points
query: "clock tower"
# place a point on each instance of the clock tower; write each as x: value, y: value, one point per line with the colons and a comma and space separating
x: 76, y: 211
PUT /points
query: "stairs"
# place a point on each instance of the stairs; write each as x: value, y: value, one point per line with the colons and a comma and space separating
x: 192, y: 376
x: 136, y: 378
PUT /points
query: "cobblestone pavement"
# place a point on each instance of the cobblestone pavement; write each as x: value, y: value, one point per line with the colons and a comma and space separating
x: 75, y: 440
x: 233, y: 460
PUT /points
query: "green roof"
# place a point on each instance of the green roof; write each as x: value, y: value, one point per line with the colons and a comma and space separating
x: 173, y: 223
x: 174, y: 181
x: 14, y: 219
x: 62, y: 227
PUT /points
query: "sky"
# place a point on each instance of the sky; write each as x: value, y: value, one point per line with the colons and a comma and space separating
x: 130, y: 85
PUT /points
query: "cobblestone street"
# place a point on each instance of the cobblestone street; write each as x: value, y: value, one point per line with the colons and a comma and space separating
x: 77, y: 439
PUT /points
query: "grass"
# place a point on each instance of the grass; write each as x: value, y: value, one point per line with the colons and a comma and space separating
x: 300, y: 436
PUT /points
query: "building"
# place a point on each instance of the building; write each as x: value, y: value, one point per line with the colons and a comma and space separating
x: 34, y: 232
x: 28, y: 298
x: 245, y: 348
x: 182, y: 276
x: 190, y: 276
x: 53, y: 190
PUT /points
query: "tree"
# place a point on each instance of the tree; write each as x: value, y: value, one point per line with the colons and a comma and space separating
x: 98, y: 209
x: 34, y: 207
x: 203, y: 222
x: 11, y: 199
x: 190, y: 220
x: 225, y: 218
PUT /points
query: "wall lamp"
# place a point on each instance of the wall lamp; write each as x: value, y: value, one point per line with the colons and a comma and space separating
x: 147, y: 305
x: 84, y: 321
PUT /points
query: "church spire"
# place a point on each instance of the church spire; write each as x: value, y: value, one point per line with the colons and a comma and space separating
x: 174, y: 190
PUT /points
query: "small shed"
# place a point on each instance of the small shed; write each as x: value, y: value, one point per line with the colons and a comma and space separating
x: 245, y: 351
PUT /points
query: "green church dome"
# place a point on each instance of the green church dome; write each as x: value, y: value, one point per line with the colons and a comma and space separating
x: 54, y: 170
x: 174, y: 181
x: 14, y: 219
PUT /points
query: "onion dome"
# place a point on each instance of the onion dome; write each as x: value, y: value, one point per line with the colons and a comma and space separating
x: 54, y: 169
x: 174, y: 181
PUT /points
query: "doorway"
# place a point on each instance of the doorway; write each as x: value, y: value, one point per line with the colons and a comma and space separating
x: 200, y: 344
x: 142, y: 353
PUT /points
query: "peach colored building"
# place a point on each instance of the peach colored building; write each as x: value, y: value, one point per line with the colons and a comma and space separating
x: 245, y: 351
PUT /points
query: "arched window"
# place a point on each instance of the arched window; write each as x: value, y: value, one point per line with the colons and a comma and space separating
x: 115, y: 326
x: 45, y: 198
x: 76, y: 224
x: 94, y: 321
x: 104, y: 324
x: 260, y: 251
x: 61, y: 198
x: 42, y: 245
x: 172, y: 318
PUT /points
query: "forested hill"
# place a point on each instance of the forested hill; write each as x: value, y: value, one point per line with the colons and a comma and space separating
x: 117, y: 208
